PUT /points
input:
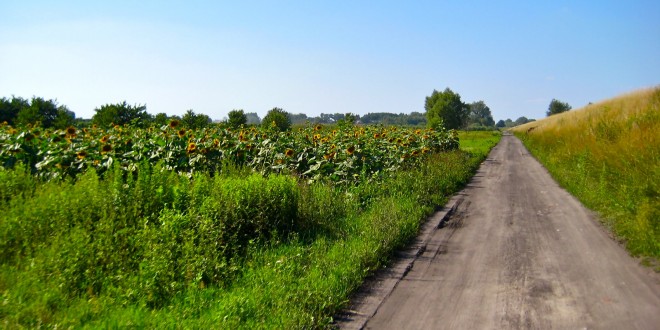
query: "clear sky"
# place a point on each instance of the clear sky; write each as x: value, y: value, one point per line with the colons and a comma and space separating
x: 317, y: 57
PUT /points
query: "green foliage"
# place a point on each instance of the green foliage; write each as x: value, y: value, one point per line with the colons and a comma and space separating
x: 236, y: 118
x: 278, y: 119
x: 556, y: 107
x: 121, y: 114
x: 44, y: 112
x: 384, y: 118
x: 192, y: 120
x: 447, y: 108
x: 480, y: 115
x: 9, y: 109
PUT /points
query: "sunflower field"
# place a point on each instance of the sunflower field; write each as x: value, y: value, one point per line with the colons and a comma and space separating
x: 348, y: 154
x: 127, y: 227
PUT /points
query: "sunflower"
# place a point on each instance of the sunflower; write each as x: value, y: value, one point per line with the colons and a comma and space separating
x: 415, y: 153
x: 216, y: 142
x: 329, y: 156
x: 181, y: 133
x: 81, y: 154
x: 318, y: 127
x: 425, y: 150
x: 350, y: 150
x: 376, y: 136
x: 191, y: 147
x: 29, y: 137
x: 106, y: 148
x: 249, y: 147
x: 289, y: 153
x: 173, y: 124
x: 104, y: 139
x: 57, y: 139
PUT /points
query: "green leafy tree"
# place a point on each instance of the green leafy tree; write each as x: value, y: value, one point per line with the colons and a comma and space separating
x: 446, y: 109
x: 500, y: 124
x: 161, y: 119
x: 9, y: 109
x: 195, y: 121
x: 65, y: 118
x: 236, y: 118
x: 277, y: 118
x: 480, y: 115
x: 556, y: 107
x: 253, y: 118
x: 120, y: 114
x: 39, y: 111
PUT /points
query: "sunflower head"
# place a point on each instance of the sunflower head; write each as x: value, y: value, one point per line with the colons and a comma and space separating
x: 81, y: 154
x: 376, y: 136
x: 191, y: 147
x: 29, y: 137
x: 104, y: 139
x: 181, y: 133
x: 106, y: 148
x: 289, y: 153
x: 216, y: 142
x: 318, y: 127
x: 350, y: 150
x: 174, y: 123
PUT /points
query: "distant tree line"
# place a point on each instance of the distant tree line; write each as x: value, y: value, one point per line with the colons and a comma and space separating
x: 510, y: 123
x: 442, y: 109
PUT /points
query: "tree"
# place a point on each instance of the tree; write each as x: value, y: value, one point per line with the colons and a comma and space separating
x: 520, y: 121
x: 120, y: 114
x: 65, y: 118
x: 236, y: 118
x: 556, y: 107
x: 9, y: 109
x: 500, y: 124
x: 195, y: 121
x: 253, y: 118
x: 446, y: 109
x: 161, y: 119
x: 277, y: 118
x: 39, y: 111
x: 480, y: 115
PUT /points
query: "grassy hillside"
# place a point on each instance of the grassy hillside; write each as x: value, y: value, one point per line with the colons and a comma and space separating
x: 607, y: 154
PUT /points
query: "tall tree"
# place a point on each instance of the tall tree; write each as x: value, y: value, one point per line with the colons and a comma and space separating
x: 277, y: 118
x: 236, y: 118
x: 556, y: 107
x: 446, y: 109
x: 40, y: 111
x: 9, y: 109
x: 195, y: 121
x: 253, y: 118
x: 120, y: 114
x: 480, y: 114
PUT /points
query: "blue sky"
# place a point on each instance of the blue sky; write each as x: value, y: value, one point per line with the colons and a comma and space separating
x: 317, y: 57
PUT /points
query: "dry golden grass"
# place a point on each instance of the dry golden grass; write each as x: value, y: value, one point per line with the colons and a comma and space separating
x: 608, y: 155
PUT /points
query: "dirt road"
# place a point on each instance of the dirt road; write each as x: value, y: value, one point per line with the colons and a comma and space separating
x: 519, y: 252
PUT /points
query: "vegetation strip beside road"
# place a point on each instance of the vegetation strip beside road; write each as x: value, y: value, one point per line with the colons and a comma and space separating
x: 152, y: 248
x: 607, y: 154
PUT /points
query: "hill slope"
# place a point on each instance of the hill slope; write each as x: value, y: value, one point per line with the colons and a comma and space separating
x: 607, y: 154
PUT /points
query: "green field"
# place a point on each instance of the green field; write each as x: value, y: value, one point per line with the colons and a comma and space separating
x: 276, y: 231
x: 607, y: 154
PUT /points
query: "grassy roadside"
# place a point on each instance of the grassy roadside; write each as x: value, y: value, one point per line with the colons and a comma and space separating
x: 62, y: 267
x: 608, y: 156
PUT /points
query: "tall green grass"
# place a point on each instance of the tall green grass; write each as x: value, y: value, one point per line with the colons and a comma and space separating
x: 159, y: 250
x: 607, y: 154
